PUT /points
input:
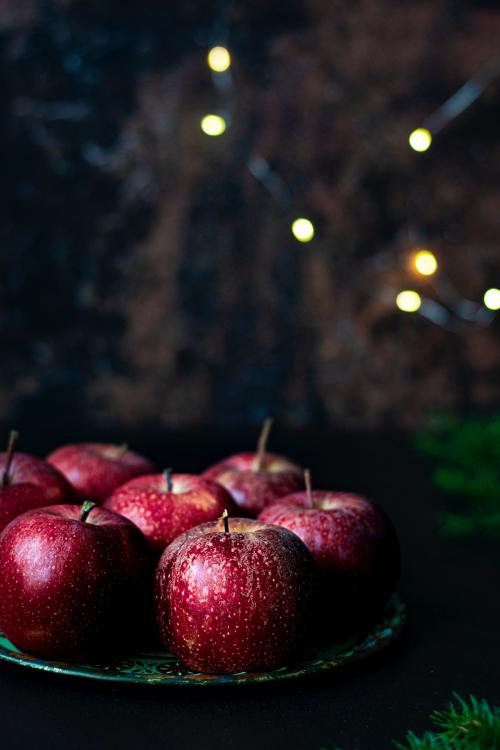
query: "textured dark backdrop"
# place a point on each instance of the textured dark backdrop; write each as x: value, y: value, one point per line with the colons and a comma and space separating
x: 145, y: 276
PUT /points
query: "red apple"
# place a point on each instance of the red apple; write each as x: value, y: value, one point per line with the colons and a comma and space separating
x: 353, y: 543
x: 233, y: 599
x: 27, y: 482
x: 96, y: 469
x: 165, y: 505
x: 256, y: 479
x: 72, y: 580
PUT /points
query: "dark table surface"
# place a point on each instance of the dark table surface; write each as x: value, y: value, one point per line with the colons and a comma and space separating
x: 451, y: 644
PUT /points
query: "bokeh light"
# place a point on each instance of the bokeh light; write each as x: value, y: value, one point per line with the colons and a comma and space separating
x: 303, y: 230
x: 425, y: 262
x: 492, y: 299
x: 219, y: 59
x: 408, y: 301
x: 420, y: 139
x: 213, y: 125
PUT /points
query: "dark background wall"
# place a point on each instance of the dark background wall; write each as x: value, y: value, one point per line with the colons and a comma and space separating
x: 146, y: 276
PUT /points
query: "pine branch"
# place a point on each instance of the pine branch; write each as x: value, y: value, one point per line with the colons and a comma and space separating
x: 464, y: 725
x: 471, y: 725
x: 460, y: 524
x: 468, y: 471
x: 428, y: 741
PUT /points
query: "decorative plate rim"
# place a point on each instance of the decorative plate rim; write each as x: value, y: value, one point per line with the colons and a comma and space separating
x: 121, y: 669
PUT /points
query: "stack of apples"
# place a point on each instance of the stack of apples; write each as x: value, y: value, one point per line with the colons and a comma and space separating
x: 233, y: 565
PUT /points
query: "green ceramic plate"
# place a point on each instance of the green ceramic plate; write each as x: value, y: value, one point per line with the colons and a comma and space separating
x: 162, y: 668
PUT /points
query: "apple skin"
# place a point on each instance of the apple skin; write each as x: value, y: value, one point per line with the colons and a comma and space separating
x: 32, y: 483
x: 96, y: 469
x: 162, y: 515
x: 353, y: 544
x: 71, y: 588
x: 251, y: 488
x: 237, y: 601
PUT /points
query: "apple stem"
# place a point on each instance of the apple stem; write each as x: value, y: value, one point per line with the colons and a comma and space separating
x: 307, y: 481
x: 262, y: 443
x: 167, y: 473
x: 225, y: 519
x: 13, y: 436
x: 86, y: 508
x: 121, y: 450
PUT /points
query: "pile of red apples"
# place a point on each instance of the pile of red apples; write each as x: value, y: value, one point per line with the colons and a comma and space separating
x: 100, y: 553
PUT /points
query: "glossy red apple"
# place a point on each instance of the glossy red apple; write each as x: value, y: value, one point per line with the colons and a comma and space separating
x: 234, y: 600
x: 256, y: 479
x: 96, y: 469
x: 165, y: 505
x: 73, y: 580
x: 27, y: 482
x: 353, y: 543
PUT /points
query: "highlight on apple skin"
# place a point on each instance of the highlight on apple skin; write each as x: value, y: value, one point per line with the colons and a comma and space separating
x: 234, y: 598
x: 74, y: 581
x: 27, y: 482
x: 165, y: 505
x: 96, y: 469
x: 255, y: 479
x: 353, y: 544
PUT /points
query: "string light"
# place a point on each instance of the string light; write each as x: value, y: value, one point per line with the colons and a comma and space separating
x: 455, y: 308
x: 219, y: 59
x: 213, y: 125
x: 303, y: 230
x: 408, y: 301
x: 492, y: 299
x: 425, y: 262
x: 463, y: 98
x: 420, y: 139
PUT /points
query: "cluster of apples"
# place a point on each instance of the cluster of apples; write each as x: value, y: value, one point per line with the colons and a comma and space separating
x: 98, y: 550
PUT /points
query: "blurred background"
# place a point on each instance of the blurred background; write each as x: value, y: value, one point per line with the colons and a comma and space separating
x: 149, y: 273
x: 155, y: 287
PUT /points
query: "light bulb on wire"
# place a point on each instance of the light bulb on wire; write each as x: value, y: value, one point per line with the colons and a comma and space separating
x: 213, y: 125
x: 303, y: 229
x: 491, y: 299
x: 420, y: 139
x: 219, y: 59
x: 408, y: 301
x: 425, y: 262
